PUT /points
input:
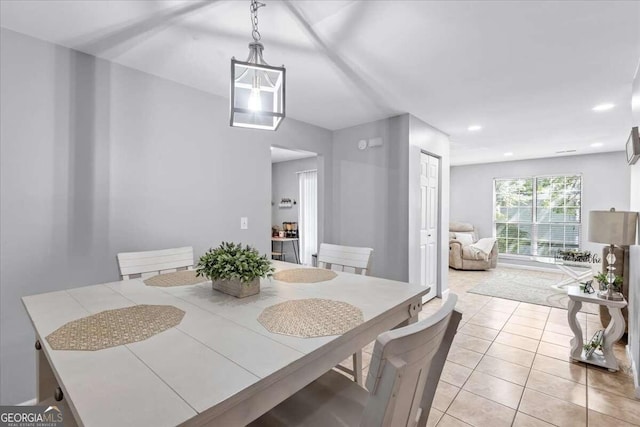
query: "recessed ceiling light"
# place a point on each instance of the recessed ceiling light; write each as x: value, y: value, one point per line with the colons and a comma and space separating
x: 597, y: 144
x: 507, y: 154
x: 603, y: 107
x: 474, y: 128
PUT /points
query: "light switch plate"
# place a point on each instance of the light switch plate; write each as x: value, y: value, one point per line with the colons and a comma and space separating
x: 244, y: 223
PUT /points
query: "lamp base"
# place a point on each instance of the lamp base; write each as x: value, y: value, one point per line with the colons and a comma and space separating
x: 611, y: 296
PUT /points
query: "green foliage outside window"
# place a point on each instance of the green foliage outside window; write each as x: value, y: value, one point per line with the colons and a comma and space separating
x: 538, y: 215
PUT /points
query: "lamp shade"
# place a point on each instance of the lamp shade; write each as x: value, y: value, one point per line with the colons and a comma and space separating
x: 613, y: 227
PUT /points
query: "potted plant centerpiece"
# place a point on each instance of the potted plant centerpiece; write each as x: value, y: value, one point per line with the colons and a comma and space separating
x: 234, y: 270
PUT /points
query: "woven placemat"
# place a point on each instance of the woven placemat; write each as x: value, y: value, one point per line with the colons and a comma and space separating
x: 305, y: 275
x: 179, y: 278
x: 111, y: 328
x: 313, y: 317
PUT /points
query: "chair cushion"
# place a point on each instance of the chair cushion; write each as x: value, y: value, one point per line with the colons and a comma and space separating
x: 331, y: 400
x: 464, y: 238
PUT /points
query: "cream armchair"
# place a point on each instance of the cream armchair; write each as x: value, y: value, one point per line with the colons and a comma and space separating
x: 463, y: 252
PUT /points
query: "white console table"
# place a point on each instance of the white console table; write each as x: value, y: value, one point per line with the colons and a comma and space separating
x: 611, y: 335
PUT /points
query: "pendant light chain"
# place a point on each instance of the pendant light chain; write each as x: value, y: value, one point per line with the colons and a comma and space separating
x: 253, y: 8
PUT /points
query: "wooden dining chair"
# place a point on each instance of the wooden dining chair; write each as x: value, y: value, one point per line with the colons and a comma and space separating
x: 150, y: 263
x: 404, y: 373
x: 351, y: 259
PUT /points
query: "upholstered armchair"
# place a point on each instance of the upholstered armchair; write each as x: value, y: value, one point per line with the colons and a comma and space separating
x: 467, y: 252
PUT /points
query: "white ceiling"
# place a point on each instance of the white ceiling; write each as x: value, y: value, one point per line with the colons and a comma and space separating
x: 528, y: 72
x: 284, y: 155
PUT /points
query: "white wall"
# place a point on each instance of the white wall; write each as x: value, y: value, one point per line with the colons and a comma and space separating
x: 284, y: 183
x: 605, y: 185
x: 97, y: 159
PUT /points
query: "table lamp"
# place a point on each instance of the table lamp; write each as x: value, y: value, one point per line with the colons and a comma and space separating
x: 612, y: 228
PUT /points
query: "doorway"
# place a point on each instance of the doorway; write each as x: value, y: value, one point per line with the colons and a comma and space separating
x: 429, y: 224
x: 294, y: 202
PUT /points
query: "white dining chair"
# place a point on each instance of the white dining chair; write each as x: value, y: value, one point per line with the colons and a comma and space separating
x: 350, y: 259
x: 404, y: 373
x: 150, y: 263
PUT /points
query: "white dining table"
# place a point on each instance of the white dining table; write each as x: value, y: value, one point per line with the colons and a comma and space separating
x: 219, y: 366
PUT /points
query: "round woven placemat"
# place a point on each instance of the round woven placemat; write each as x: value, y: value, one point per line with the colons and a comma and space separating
x: 313, y: 317
x: 179, y: 278
x: 111, y: 328
x: 304, y: 275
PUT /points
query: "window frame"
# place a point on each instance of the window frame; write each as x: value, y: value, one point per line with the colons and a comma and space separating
x: 534, y: 214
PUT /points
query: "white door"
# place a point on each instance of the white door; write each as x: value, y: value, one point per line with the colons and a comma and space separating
x: 429, y: 173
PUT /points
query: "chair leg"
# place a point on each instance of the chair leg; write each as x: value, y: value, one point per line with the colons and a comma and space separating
x: 357, y: 368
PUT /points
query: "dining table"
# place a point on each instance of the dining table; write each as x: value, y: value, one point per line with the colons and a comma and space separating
x: 219, y: 365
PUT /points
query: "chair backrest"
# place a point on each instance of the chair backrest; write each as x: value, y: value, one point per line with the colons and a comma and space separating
x: 345, y: 258
x: 462, y: 228
x: 150, y: 263
x: 405, y: 369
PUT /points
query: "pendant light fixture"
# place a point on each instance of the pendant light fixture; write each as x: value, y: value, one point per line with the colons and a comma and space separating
x: 257, y: 88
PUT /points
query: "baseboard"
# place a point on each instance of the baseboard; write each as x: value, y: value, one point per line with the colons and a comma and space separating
x: 528, y: 267
x: 634, y: 372
x: 445, y: 294
x: 31, y: 402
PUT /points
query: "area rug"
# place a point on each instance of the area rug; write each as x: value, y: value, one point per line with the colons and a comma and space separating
x: 526, y: 286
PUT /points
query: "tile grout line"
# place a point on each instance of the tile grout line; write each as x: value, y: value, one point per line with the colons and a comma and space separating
x: 524, y: 388
x: 554, y: 318
x: 547, y: 320
x: 530, y: 368
x: 446, y: 411
x: 474, y: 369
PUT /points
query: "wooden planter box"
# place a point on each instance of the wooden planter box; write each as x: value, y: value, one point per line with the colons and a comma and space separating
x: 236, y: 288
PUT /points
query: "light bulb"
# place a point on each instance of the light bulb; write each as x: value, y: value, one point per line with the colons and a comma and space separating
x: 255, y: 100
x: 255, y: 104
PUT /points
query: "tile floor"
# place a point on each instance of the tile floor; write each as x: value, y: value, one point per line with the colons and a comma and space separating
x: 509, y: 366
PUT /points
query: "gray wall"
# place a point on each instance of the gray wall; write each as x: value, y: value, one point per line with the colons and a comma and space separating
x: 605, y: 185
x: 97, y: 159
x: 376, y: 195
x: 284, y: 183
x: 367, y: 207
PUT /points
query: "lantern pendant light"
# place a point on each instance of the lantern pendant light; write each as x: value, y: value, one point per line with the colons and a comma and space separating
x: 257, y: 88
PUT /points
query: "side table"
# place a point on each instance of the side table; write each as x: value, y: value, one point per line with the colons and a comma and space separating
x: 611, y: 335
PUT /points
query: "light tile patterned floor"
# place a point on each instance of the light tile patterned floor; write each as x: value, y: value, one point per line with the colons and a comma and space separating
x: 509, y: 366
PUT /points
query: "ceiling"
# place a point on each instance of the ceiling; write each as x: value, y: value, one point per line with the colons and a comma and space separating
x: 528, y: 72
x: 284, y: 155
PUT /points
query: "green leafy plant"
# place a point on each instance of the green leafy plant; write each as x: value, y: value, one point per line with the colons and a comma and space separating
x: 230, y: 261
x: 602, y: 279
x: 594, y: 344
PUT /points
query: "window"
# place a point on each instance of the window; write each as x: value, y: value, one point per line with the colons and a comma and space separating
x: 537, y: 216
